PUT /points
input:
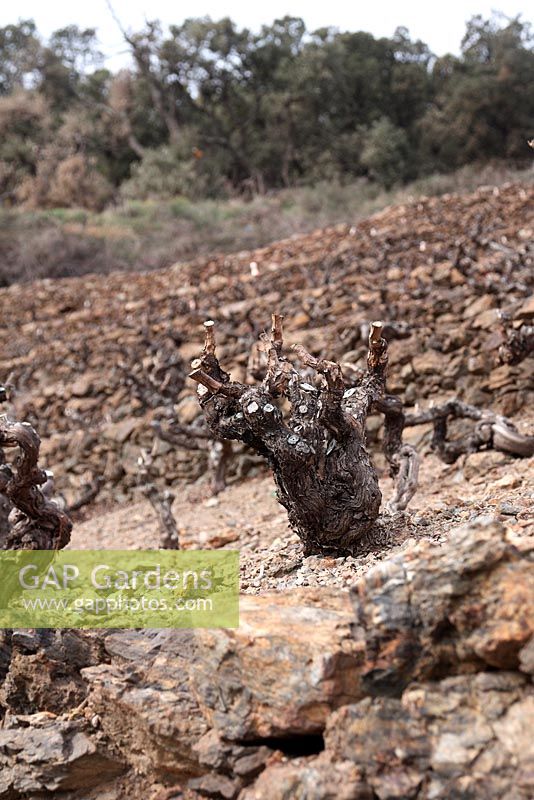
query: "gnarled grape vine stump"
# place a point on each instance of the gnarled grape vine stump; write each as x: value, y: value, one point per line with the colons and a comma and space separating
x: 323, y: 472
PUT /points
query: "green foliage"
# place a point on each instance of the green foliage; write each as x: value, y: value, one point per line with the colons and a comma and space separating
x: 171, y: 171
x: 208, y: 110
x: 386, y: 153
x: 483, y: 102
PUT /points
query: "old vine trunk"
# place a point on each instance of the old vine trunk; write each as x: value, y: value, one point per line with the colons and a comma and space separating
x: 317, y: 450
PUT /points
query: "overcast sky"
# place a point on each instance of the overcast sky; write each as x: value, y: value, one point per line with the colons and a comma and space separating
x: 440, y: 25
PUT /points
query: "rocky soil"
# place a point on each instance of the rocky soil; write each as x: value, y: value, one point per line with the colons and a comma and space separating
x: 247, y: 517
x: 402, y: 672
x: 413, y: 683
x: 440, y: 270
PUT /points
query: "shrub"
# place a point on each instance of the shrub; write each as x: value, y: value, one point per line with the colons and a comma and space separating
x: 386, y: 153
x: 171, y: 171
x: 24, y: 123
x: 68, y: 182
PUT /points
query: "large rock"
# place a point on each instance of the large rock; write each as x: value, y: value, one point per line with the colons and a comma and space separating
x: 462, y: 738
x: 433, y: 610
x: 467, y: 737
x: 41, y: 754
x: 280, y: 674
x: 145, y: 703
x: 42, y: 669
x: 390, y: 747
x: 429, y: 697
x: 310, y: 779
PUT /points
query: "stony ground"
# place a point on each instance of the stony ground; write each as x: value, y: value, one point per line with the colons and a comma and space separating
x: 247, y: 517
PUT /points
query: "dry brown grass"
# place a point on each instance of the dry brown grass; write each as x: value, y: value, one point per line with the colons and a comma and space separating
x: 147, y: 235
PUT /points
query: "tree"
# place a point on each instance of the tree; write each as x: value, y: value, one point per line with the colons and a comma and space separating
x: 386, y: 153
x: 209, y: 109
x: 317, y: 448
x: 25, y: 125
x: 20, y: 50
x: 35, y: 523
x: 483, y: 107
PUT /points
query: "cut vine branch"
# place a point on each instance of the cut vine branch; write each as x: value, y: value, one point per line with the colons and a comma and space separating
x: 161, y: 501
x: 518, y: 345
x: 199, y: 437
x: 323, y: 472
x: 490, y: 431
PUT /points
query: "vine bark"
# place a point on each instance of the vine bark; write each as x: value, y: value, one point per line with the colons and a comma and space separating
x: 322, y: 469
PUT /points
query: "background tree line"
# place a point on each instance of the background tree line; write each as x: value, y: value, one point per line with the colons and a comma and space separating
x: 209, y: 110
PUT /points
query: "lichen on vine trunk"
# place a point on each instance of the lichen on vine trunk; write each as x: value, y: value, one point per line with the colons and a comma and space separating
x: 317, y: 448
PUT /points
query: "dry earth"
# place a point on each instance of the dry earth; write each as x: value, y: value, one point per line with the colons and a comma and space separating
x: 247, y: 517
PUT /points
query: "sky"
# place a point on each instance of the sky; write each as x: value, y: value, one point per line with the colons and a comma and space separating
x: 441, y: 25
